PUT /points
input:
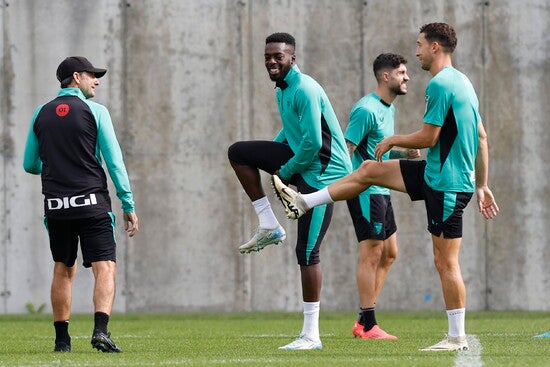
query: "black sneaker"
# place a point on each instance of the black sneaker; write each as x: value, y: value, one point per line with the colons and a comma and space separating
x: 62, y: 347
x: 103, y: 342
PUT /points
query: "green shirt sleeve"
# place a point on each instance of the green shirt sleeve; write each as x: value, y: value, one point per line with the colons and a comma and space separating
x: 308, y: 106
x: 108, y: 147
x: 31, y: 158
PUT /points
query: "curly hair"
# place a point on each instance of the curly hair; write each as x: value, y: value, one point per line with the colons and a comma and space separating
x: 442, y: 33
x: 387, y: 61
x: 282, y: 38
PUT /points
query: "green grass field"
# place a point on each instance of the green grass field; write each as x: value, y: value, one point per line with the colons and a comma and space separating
x: 251, y: 339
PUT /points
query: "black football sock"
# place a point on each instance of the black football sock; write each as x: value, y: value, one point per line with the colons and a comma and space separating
x: 62, y: 331
x: 367, y: 318
x: 101, y: 319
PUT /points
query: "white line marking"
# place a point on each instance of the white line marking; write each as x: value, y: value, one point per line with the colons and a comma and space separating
x: 471, y: 357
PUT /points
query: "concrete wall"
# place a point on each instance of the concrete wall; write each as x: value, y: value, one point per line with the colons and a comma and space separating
x: 186, y: 79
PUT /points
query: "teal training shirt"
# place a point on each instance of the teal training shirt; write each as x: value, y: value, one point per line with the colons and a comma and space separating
x: 311, y: 129
x: 371, y: 120
x: 451, y: 102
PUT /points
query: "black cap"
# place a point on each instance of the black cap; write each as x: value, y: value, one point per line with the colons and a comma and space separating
x: 77, y: 64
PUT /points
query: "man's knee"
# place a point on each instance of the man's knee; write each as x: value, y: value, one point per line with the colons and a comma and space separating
x: 233, y: 151
x: 107, y: 267
x: 63, y: 271
x: 365, y: 171
x: 388, y: 259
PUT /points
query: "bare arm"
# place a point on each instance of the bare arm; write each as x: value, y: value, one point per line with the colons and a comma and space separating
x: 404, y: 153
x: 423, y: 138
x: 485, y: 199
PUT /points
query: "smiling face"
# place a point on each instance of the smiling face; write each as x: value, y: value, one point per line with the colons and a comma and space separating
x: 279, y: 58
x: 397, y: 80
x: 424, y: 51
x: 86, y: 82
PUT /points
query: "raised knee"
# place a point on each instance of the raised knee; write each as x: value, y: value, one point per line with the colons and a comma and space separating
x: 364, y: 171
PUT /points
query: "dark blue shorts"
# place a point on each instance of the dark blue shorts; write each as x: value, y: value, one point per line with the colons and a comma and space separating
x: 443, y: 209
x: 269, y: 156
x: 96, y: 235
x: 372, y: 216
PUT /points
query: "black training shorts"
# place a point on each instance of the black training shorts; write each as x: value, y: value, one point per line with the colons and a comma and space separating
x: 96, y: 235
x: 380, y: 224
x: 444, y: 209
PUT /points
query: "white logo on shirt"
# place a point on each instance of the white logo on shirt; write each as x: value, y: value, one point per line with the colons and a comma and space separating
x: 71, y: 202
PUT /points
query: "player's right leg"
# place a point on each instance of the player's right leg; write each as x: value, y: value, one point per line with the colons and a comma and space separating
x: 247, y: 159
x: 387, y: 174
x: 99, y: 252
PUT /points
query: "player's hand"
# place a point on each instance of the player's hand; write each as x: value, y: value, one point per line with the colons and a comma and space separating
x: 131, y: 223
x: 486, y: 202
x: 381, y: 148
x: 413, y: 153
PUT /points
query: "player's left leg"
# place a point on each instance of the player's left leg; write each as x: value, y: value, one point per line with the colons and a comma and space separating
x: 61, y: 297
x: 311, y: 231
x: 389, y: 254
x: 444, y: 210
x: 368, y: 279
x: 64, y: 248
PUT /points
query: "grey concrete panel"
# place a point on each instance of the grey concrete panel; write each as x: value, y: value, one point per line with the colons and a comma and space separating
x: 181, y: 99
x: 186, y: 79
x: 518, y: 255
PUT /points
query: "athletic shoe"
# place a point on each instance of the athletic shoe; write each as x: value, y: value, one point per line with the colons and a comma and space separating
x: 62, y: 347
x: 374, y: 333
x: 104, y: 343
x: 293, y: 201
x: 357, y: 329
x: 262, y: 238
x: 303, y: 343
x: 543, y: 335
x: 449, y: 343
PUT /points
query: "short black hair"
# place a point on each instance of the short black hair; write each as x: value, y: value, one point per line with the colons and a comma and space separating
x: 387, y: 61
x: 282, y: 38
x: 442, y: 33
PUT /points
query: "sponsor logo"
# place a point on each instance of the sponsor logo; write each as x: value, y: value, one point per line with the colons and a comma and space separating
x: 71, y: 202
x: 62, y: 110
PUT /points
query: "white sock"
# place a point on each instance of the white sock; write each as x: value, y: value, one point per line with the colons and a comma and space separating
x: 456, y: 322
x: 265, y: 213
x: 311, y: 320
x: 317, y: 198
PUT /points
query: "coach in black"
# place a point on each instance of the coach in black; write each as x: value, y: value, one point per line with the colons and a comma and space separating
x: 68, y: 139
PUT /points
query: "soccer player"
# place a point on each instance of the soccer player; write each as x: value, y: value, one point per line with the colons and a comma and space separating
x: 67, y: 140
x: 456, y: 166
x: 309, y: 152
x: 371, y: 120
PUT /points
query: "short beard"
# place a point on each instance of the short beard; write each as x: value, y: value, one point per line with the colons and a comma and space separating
x: 398, y: 91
